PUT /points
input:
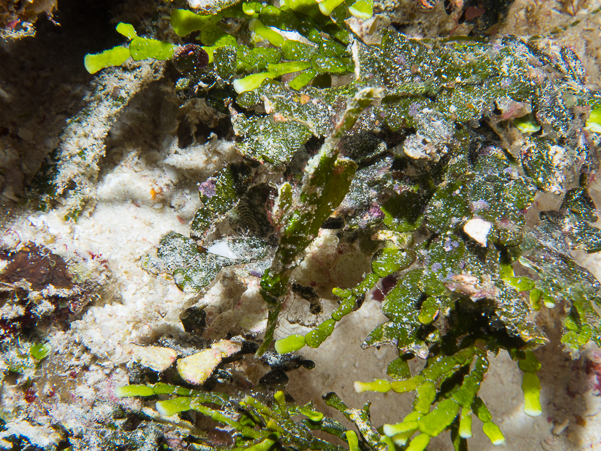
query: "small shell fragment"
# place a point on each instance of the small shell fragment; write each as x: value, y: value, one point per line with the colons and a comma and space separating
x: 154, y: 357
x: 197, y: 368
x: 478, y: 229
x: 222, y: 249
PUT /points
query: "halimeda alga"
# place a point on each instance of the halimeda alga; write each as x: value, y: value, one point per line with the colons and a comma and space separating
x: 401, y: 171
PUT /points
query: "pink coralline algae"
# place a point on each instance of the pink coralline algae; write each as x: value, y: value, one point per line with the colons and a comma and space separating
x: 207, y: 188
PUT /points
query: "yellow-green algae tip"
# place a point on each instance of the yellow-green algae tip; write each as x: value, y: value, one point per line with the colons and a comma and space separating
x: 280, y: 69
x: 251, y: 82
x: 311, y: 414
x: 353, y: 441
x: 111, y: 57
x: 392, y: 430
x: 290, y: 344
x: 402, y: 432
x: 594, y: 121
x: 172, y: 406
x: 419, y: 443
x: 493, y: 432
x: 379, y: 385
x: 531, y: 389
x: 133, y: 390
x: 126, y: 30
x: 327, y: 6
x: 263, y: 446
x: 363, y: 9
x: 265, y: 32
x: 526, y: 124
x: 185, y: 22
x: 465, y: 423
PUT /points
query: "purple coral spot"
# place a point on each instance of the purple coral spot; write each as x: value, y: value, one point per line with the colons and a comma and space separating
x: 449, y: 277
x: 375, y: 212
x: 207, y: 188
x: 479, y: 205
x: 192, y: 52
x: 413, y: 109
x: 388, y: 283
x: 377, y: 295
x: 436, y: 267
x: 448, y: 245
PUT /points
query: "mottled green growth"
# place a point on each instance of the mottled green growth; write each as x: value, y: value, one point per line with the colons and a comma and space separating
x: 388, y: 261
x: 191, y: 269
x: 112, y: 57
x: 545, y: 252
x: 310, y: 109
x: 218, y: 195
x: 325, y: 185
x: 212, y: 34
x: 268, y: 140
x: 295, y: 50
x: 428, y: 311
x: 361, y: 419
x: 256, y: 59
x: 326, y: 181
x: 224, y: 62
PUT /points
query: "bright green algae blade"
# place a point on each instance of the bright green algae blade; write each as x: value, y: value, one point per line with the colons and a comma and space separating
x: 111, y: 57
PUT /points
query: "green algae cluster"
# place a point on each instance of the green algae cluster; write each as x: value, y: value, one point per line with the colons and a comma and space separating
x: 411, y: 146
x: 255, y: 423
